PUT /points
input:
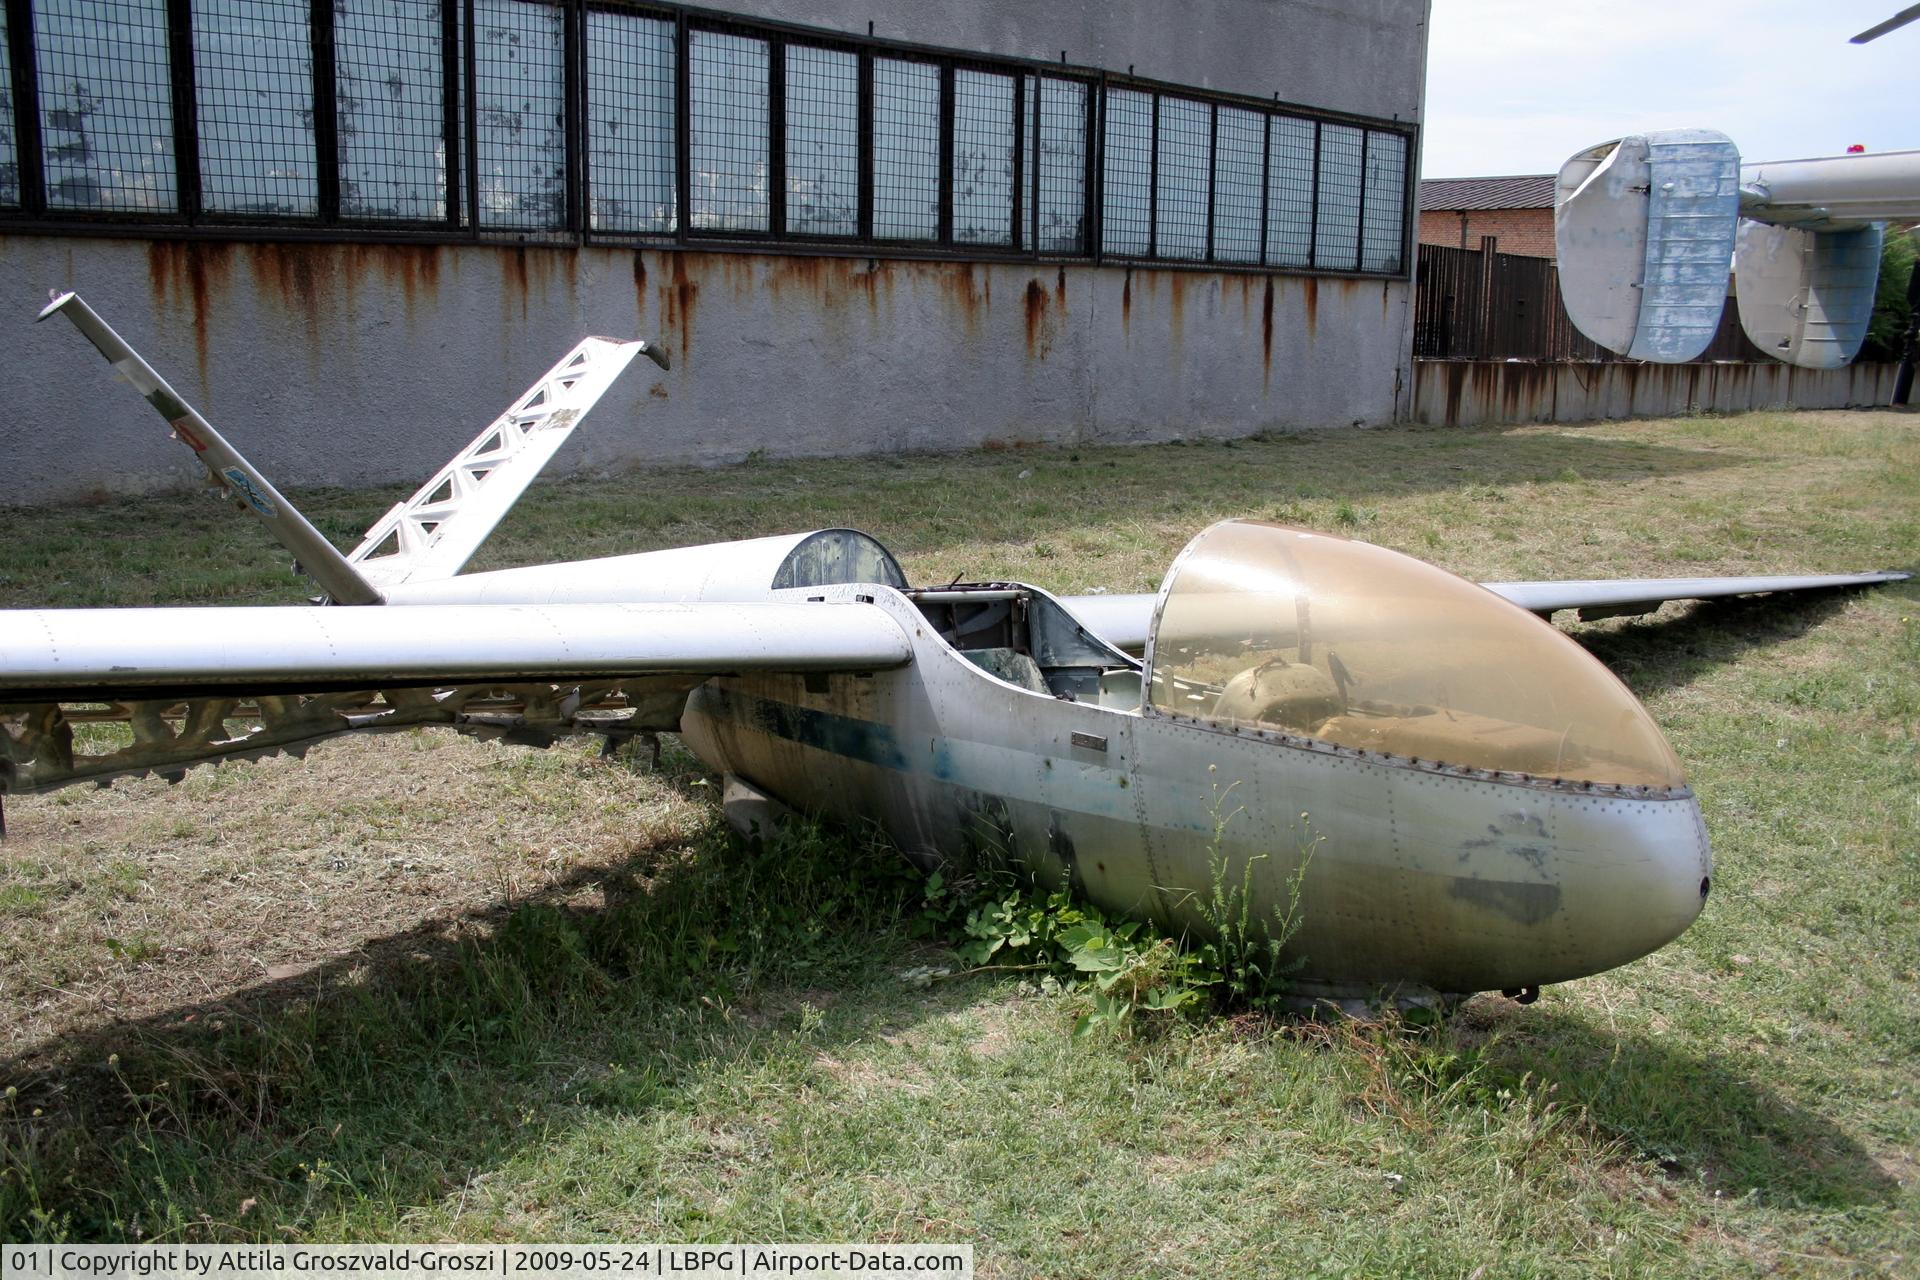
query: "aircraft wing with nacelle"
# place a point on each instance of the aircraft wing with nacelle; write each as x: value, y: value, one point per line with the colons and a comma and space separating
x: 1463, y: 797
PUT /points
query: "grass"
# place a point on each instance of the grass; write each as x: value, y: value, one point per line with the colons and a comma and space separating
x: 419, y: 987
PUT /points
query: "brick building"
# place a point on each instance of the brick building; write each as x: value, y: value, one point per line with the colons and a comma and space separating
x: 1518, y: 211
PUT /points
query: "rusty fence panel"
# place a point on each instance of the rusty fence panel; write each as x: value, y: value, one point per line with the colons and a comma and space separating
x: 1479, y: 304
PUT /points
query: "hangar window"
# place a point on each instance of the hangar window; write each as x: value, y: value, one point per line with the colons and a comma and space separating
x: 1058, y: 113
x: 390, y: 68
x: 906, y: 150
x: 729, y: 130
x: 630, y: 97
x: 1290, y: 146
x: 1384, y: 193
x: 629, y: 121
x: 106, y: 111
x: 823, y: 141
x: 9, y: 164
x: 983, y: 135
x: 520, y: 103
x: 1239, y: 138
x: 1126, y: 217
x: 1336, y: 241
x: 253, y: 88
x: 1183, y: 184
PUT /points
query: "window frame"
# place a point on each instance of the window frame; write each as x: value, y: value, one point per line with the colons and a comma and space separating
x: 458, y: 138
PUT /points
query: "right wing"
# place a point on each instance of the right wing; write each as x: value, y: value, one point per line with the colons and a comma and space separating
x: 93, y: 694
x: 1124, y: 620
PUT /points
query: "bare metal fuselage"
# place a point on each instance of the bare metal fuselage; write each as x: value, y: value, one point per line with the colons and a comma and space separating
x: 1417, y: 876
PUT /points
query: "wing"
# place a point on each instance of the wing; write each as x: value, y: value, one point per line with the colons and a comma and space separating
x: 93, y: 694
x: 1621, y: 597
x: 1123, y: 620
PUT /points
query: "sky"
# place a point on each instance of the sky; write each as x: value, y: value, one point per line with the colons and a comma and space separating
x: 1517, y: 86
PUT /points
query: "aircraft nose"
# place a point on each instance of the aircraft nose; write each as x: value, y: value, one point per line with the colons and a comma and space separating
x: 1639, y: 873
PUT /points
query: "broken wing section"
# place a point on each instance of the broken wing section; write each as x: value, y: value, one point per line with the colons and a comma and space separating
x: 94, y: 694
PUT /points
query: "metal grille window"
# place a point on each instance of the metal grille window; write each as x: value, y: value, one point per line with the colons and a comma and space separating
x: 823, y: 142
x: 729, y: 131
x: 630, y: 118
x: 1336, y: 242
x: 9, y: 157
x: 1126, y: 206
x: 1239, y: 139
x: 1290, y: 167
x: 983, y: 137
x: 520, y: 99
x: 1386, y: 189
x: 106, y: 111
x: 389, y: 69
x: 630, y: 123
x: 1183, y: 179
x: 253, y: 91
x: 906, y: 150
x: 1060, y: 184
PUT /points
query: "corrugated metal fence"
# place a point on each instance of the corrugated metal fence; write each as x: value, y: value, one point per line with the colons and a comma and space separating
x: 1475, y: 304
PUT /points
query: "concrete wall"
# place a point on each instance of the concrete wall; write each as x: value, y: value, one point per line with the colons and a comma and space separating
x: 1472, y: 392
x: 351, y: 364
x: 1363, y: 56
x: 356, y: 364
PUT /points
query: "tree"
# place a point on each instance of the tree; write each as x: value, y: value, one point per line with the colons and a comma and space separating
x: 1887, y: 330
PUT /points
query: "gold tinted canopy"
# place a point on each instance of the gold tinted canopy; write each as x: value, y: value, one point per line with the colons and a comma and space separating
x: 1351, y: 644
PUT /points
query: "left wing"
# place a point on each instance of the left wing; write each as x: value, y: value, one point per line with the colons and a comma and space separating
x: 93, y: 694
x: 1124, y: 620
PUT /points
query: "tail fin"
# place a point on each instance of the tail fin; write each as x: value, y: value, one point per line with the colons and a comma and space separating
x: 435, y: 532
x: 316, y: 557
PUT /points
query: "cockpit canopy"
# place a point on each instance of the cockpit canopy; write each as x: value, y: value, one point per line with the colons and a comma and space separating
x: 1351, y: 644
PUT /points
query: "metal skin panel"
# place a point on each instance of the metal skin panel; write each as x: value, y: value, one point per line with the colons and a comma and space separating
x: 1419, y: 877
x: 1806, y: 296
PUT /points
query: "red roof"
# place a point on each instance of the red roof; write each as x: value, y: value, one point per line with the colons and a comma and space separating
x: 1523, y: 191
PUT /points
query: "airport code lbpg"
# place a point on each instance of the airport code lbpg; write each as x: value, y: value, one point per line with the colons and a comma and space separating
x: 548, y: 1262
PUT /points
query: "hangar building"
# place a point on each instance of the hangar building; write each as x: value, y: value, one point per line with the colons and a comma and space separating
x: 352, y: 230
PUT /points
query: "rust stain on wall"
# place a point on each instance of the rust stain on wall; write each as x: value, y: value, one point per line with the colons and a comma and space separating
x: 639, y: 286
x: 678, y: 297
x: 1266, y: 334
x: 1310, y: 301
x: 412, y: 268
x: 1176, y: 307
x: 190, y: 272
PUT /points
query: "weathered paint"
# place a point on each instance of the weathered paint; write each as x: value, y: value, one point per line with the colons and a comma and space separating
x: 1471, y: 392
x: 357, y: 364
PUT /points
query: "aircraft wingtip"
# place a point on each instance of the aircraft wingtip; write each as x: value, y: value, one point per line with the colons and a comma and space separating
x: 56, y: 300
